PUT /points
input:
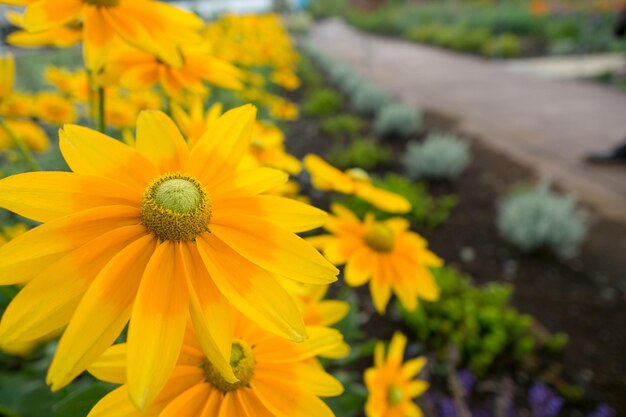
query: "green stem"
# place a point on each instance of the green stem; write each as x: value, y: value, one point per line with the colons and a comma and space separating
x: 101, y: 110
x: 26, y: 153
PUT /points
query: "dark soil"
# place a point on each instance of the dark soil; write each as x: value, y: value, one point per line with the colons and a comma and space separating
x: 584, y: 297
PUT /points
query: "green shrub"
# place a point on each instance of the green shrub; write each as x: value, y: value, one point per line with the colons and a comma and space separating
x: 479, y: 321
x: 342, y: 125
x: 503, y: 46
x: 321, y: 9
x: 538, y: 218
x: 321, y: 103
x: 367, y: 99
x: 364, y: 153
x: 397, y: 120
x: 425, y: 211
x: 311, y: 79
x: 424, y: 33
x: 440, y: 156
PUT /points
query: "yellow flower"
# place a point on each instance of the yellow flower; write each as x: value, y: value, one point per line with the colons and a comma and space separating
x: 17, y: 105
x: 58, y: 37
x: 392, y: 384
x: 136, y: 69
x: 73, y: 83
x: 146, y: 100
x: 283, y: 109
x: 355, y: 181
x: 55, y: 109
x: 286, y: 79
x: 276, y: 378
x: 268, y: 149
x: 386, y: 254
x: 11, y: 232
x: 195, y: 122
x: 154, y: 234
x: 7, y: 75
x: 152, y: 26
x: 33, y: 136
x: 120, y: 112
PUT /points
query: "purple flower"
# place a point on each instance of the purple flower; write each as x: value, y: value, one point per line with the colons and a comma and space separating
x: 467, y: 380
x: 544, y: 402
x: 446, y: 408
x: 603, y: 410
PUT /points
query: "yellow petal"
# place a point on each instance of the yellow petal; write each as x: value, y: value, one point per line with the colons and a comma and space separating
x: 160, y: 141
x: 286, y: 398
x: 44, y: 196
x: 207, y: 303
x: 102, y: 313
x: 284, y: 212
x: 111, y: 365
x: 92, y: 153
x: 45, y: 14
x: 24, y: 257
x: 48, y: 302
x: 397, y: 346
x: 316, y: 380
x: 157, y: 325
x: 413, y: 367
x: 321, y: 339
x: 247, y: 183
x: 382, y: 199
x: 117, y: 404
x: 360, y: 267
x: 251, y: 289
x: 220, y: 149
x: 190, y: 403
x: 276, y: 250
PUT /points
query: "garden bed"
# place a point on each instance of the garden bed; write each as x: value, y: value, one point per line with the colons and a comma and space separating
x: 582, y: 297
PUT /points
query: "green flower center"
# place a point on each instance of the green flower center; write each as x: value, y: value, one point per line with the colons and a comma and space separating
x: 103, y: 3
x: 243, y: 363
x: 395, y: 395
x: 379, y: 237
x: 176, y: 207
x: 358, y: 174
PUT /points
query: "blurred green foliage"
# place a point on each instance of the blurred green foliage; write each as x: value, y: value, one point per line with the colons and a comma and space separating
x: 503, y: 46
x: 470, y: 26
x: 321, y: 103
x: 426, y: 210
x: 479, y: 321
x: 343, y: 125
x: 365, y: 153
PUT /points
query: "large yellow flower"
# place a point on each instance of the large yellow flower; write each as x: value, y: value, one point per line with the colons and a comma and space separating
x: 392, y: 384
x: 355, y: 181
x: 152, y: 26
x: 386, y: 254
x: 277, y: 377
x: 154, y: 234
x: 59, y: 37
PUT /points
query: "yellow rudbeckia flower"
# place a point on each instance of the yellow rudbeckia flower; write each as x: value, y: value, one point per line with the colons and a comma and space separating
x: 268, y: 149
x: 194, y: 122
x: 153, y: 234
x: 355, y: 181
x: 55, y: 109
x: 152, y: 26
x: 391, y: 382
x: 59, y: 37
x: 387, y: 254
x: 136, y: 69
x: 277, y: 377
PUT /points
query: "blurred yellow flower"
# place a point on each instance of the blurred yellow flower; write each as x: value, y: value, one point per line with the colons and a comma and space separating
x: 385, y: 253
x: 157, y: 233
x: 73, y: 83
x: 391, y: 382
x: 33, y: 136
x: 136, y: 69
x: 276, y: 377
x: 194, y: 122
x: 153, y: 26
x: 355, y: 181
x: 268, y: 148
x: 17, y: 105
x: 55, y: 109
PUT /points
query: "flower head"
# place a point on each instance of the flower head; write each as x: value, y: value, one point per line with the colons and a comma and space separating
x: 385, y: 253
x: 276, y: 377
x: 153, y: 234
x: 391, y: 382
x: 152, y: 26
